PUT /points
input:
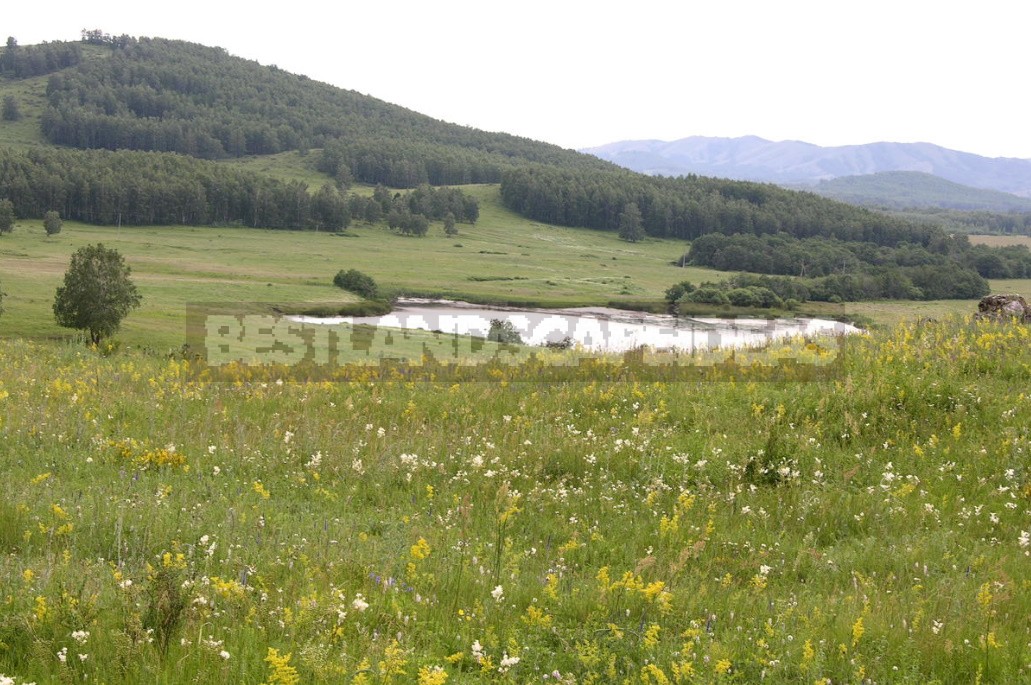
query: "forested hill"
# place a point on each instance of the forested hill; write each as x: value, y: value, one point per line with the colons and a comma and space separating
x: 172, y: 96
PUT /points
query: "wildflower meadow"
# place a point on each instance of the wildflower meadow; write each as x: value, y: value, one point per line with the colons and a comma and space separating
x: 873, y: 526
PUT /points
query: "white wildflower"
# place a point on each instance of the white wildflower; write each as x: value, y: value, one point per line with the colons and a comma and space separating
x: 507, y: 662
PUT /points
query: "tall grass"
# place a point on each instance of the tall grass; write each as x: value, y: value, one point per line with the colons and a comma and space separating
x: 872, y: 527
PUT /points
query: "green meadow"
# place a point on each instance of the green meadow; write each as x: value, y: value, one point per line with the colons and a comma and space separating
x: 869, y: 527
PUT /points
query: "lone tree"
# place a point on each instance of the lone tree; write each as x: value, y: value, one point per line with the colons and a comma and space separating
x: 52, y: 223
x: 6, y: 216
x: 97, y: 292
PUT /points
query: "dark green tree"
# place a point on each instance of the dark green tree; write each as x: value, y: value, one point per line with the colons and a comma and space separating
x: 631, y: 227
x: 329, y: 209
x: 11, y: 111
x: 6, y: 216
x: 97, y: 292
x: 52, y: 222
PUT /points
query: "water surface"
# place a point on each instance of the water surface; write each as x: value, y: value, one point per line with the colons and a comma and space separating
x: 596, y: 329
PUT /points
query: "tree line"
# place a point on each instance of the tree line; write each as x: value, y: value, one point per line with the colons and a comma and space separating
x: 692, y: 206
x: 786, y: 255
x: 924, y: 282
x: 146, y: 188
x: 828, y: 269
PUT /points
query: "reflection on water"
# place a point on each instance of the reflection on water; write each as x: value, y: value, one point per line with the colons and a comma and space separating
x: 597, y: 329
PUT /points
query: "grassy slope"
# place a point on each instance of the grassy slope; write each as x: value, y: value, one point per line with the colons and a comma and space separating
x: 31, y: 96
x: 285, y: 166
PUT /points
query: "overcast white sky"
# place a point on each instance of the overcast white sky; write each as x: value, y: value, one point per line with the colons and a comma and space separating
x: 580, y: 74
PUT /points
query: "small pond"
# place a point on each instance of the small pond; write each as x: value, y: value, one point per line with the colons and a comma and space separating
x: 597, y: 329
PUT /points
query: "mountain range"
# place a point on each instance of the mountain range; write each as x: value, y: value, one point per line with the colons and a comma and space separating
x: 792, y: 162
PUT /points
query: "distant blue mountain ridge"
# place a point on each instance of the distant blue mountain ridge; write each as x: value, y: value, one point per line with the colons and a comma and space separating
x: 795, y: 163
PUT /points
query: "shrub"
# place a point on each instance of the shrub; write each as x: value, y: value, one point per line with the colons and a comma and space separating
x: 356, y: 282
x: 706, y: 294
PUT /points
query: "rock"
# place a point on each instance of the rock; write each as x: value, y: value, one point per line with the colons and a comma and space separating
x: 1004, y: 307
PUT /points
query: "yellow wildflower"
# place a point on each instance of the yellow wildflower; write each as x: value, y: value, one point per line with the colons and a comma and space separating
x: 281, y: 670
x: 857, y: 631
x: 421, y: 549
x: 432, y: 675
